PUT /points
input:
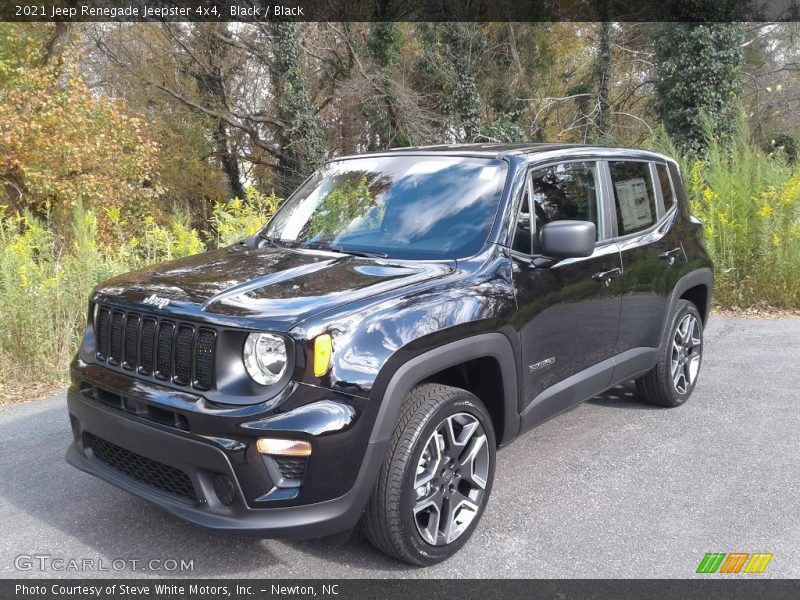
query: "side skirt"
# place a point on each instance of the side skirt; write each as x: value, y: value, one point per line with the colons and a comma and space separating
x: 586, y: 384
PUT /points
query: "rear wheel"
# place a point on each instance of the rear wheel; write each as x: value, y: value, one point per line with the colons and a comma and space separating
x: 436, y: 478
x: 672, y: 380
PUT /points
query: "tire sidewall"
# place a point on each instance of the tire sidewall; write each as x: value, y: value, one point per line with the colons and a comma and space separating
x: 683, y: 309
x: 426, y: 552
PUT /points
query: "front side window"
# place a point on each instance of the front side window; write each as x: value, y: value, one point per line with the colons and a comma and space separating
x: 633, y: 195
x: 567, y: 191
x: 415, y: 207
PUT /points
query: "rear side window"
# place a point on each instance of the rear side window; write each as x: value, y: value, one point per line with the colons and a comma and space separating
x: 633, y: 195
x: 666, y: 186
x: 566, y: 191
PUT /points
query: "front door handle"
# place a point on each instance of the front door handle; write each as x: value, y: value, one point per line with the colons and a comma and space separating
x: 606, y: 276
x: 670, y: 256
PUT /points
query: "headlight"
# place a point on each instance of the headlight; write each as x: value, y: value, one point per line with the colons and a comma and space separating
x: 265, y: 357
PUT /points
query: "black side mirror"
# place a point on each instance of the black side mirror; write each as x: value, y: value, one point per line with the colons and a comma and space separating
x: 567, y: 239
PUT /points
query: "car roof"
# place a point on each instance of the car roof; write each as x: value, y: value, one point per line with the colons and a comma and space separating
x: 500, y: 150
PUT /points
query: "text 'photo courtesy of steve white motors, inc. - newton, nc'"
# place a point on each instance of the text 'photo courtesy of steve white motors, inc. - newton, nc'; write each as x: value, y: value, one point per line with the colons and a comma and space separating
x: 193, y: 590
x: 146, y: 11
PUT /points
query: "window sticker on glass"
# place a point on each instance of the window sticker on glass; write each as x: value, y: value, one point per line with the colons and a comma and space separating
x: 634, y: 203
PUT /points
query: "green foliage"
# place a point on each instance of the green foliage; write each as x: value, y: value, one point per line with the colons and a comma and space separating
x: 697, y: 74
x: 60, y: 144
x: 45, y: 283
x: 239, y: 219
x: 303, y: 149
x: 447, y: 59
x: 342, y: 206
x: 750, y: 205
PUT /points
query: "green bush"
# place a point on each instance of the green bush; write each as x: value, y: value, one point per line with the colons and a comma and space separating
x: 750, y: 205
x: 45, y: 281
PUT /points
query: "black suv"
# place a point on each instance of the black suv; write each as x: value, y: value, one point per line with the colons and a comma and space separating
x: 402, y: 316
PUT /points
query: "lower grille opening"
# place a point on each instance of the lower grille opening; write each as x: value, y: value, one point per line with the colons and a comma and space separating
x: 291, y: 468
x: 145, y: 470
x: 141, y: 409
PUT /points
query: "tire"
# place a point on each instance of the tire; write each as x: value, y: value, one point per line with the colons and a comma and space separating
x: 413, y: 477
x: 661, y: 385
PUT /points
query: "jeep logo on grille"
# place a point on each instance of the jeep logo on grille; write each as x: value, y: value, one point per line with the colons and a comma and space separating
x: 156, y: 301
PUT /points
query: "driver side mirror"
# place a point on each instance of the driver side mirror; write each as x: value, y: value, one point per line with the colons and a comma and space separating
x: 567, y: 239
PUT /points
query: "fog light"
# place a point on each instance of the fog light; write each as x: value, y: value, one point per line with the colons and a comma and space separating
x: 223, y: 488
x: 323, y: 349
x: 283, y: 447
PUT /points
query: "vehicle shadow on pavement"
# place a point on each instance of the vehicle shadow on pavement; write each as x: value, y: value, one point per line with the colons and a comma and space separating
x: 622, y: 396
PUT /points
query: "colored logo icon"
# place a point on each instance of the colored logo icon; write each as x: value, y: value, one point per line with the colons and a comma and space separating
x: 734, y: 562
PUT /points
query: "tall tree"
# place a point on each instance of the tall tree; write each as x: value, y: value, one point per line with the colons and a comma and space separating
x: 602, y: 80
x: 698, y: 67
x: 301, y: 140
x: 210, y: 77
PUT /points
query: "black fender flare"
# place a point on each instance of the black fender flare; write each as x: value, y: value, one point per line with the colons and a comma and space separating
x: 418, y: 368
x: 703, y: 276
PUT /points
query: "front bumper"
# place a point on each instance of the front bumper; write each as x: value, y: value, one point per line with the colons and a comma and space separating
x: 177, y: 462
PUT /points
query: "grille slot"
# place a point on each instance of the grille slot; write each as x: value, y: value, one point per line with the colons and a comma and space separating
x: 165, y: 349
x: 116, y: 337
x: 183, y: 354
x: 146, y: 347
x: 131, y: 341
x: 103, y: 317
x: 145, y: 470
x: 204, y: 359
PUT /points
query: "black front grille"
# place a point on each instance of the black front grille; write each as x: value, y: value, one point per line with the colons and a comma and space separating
x: 291, y: 468
x: 146, y: 470
x: 116, y: 337
x: 103, y: 317
x: 164, y: 350
x: 183, y: 354
x: 204, y: 361
x: 131, y: 341
x: 177, y: 352
x: 146, y: 347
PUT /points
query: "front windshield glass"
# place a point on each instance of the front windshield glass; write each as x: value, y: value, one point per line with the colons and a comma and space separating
x: 397, y: 206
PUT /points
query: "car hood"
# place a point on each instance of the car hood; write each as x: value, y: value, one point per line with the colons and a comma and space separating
x: 270, y: 288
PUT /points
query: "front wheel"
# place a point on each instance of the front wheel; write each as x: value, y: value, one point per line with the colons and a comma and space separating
x: 671, y: 381
x: 436, y: 478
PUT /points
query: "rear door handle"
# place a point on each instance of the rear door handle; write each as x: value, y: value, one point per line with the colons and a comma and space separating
x: 670, y: 255
x: 606, y: 276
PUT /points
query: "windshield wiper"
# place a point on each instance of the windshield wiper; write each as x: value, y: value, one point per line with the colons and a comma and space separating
x: 270, y: 240
x: 364, y: 253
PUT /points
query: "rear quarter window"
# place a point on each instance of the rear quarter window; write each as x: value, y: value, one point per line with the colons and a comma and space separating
x: 666, y: 186
x: 633, y: 196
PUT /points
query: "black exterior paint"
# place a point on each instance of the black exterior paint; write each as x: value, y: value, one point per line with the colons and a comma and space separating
x: 394, y: 323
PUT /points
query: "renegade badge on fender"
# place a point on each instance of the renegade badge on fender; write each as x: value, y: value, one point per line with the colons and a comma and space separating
x: 402, y: 316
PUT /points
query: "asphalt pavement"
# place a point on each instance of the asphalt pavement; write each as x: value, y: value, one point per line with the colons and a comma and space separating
x: 614, y: 488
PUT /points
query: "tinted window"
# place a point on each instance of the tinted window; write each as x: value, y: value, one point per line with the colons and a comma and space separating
x: 666, y: 187
x: 522, y: 232
x: 402, y: 206
x: 633, y: 194
x: 566, y: 191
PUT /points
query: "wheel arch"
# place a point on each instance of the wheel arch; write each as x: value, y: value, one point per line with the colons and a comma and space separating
x: 696, y: 287
x: 490, y: 350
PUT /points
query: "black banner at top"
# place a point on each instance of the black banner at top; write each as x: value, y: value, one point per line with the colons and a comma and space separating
x: 399, y: 10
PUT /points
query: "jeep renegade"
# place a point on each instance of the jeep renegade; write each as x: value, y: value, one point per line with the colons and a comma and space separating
x: 402, y: 316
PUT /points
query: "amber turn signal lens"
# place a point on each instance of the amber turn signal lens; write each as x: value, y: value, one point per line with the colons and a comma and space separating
x: 323, y: 349
x: 283, y: 447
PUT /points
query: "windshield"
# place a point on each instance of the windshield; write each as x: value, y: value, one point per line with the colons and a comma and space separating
x: 423, y: 207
